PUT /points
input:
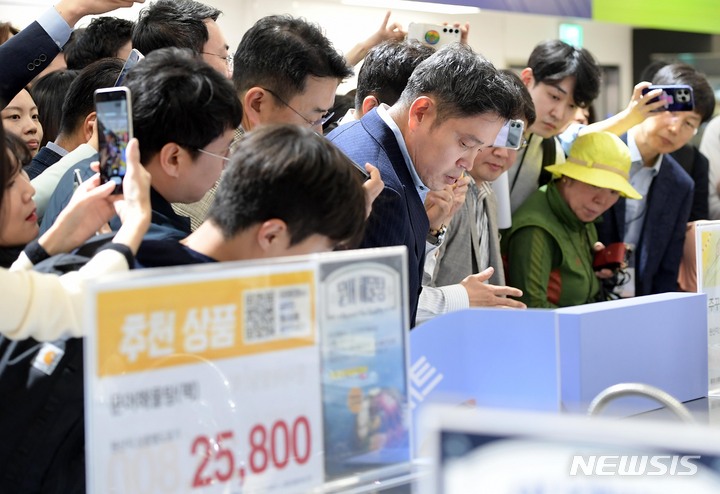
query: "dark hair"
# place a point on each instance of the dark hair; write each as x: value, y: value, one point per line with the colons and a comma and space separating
x: 178, y: 23
x: 8, y: 168
x: 79, y: 100
x: 21, y: 153
x: 49, y: 92
x: 681, y: 73
x: 6, y: 31
x: 528, y: 107
x: 554, y: 60
x: 343, y: 102
x: 18, y: 149
x: 463, y: 83
x: 290, y: 173
x: 651, y: 69
x: 279, y: 52
x: 103, y: 38
x: 179, y: 98
x: 387, y: 68
x: 5, y: 167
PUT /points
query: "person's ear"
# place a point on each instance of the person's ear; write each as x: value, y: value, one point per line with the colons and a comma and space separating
x: 421, y: 111
x: 369, y: 103
x: 172, y: 157
x: 253, y: 102
x: 273, y: 237
x: 88, y: 126
x: 527, y: 77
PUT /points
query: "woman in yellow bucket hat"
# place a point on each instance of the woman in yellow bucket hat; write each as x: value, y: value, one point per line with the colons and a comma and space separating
x: 549, y: 249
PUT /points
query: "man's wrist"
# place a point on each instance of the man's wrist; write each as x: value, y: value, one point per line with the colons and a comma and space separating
x: 436, y: 236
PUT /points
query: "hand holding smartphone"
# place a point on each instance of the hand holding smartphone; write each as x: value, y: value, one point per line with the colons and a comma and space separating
x: 510, y: 135
x: 678, y: 97
x: 612, y: 257
x: 434, y: 35
x: 132, y: 60
x: 113, y: 107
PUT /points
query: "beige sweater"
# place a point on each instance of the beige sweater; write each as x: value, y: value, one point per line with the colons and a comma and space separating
x: 47, y: 306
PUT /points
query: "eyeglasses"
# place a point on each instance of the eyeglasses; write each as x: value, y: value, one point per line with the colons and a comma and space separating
x: 228, y: 59
x: 319, y: 122
x: 224, y: 158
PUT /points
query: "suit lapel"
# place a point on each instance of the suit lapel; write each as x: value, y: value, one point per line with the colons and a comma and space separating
x: 385, y: 137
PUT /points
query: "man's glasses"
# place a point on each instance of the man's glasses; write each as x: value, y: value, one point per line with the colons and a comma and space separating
x: 224, y: 157
x: 319, y: 122
x: 228, y: 59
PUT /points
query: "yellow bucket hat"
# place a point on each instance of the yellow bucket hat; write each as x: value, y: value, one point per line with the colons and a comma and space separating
x: 600, y: 159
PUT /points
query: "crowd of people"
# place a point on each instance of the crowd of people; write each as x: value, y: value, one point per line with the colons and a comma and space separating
x: 237, y: 156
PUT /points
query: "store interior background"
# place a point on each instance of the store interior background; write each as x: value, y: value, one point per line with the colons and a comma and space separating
x: 505, y: 38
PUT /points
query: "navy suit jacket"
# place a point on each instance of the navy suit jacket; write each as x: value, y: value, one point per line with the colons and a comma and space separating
x: 23, y: 57
x: 164, y: 223
x: 658, y: 253
x: 697, y: 166
x: 44, y: 159
x: 398, y: 215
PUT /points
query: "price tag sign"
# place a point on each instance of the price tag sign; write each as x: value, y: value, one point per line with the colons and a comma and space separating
x: 184, y: 391
x: 707, y: 248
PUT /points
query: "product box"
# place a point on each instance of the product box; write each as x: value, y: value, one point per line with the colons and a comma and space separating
x: 559, y: 360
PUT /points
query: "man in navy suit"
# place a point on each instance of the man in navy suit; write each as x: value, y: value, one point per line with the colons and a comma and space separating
x: 25, y: 55
x: 453, y: 105
x: 655, y: 225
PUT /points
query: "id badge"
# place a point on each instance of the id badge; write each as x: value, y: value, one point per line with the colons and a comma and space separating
x: 48, y: 358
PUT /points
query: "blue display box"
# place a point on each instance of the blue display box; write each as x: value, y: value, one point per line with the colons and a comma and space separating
x: 559, y: 360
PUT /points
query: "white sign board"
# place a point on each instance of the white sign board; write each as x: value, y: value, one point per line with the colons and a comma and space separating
x: 184, y: 392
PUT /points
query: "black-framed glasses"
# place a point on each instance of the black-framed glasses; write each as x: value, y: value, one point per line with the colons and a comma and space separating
x: 319, y: 122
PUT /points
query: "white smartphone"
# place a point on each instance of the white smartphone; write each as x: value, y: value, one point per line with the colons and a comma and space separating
x: 510, y: 135
x: 113, y: 107
x: 132, y: 60
x: 434, y: 35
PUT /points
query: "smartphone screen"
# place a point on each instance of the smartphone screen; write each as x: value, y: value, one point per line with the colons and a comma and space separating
x: 510, y: 135
x: 114, y: 123
x: 132, y: 60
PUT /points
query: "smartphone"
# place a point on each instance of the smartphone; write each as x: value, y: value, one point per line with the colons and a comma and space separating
x: 510, y: 135
x: 677, y: 97
x: 363, y: 172
x: 434, y: 35
x: 113, y: 107
x: 611, y: 257
x: 132, y: 60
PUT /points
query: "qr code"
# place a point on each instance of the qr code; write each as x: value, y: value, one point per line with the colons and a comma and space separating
x: 260, y: 317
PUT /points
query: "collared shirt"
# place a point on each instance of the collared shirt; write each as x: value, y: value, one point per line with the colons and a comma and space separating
x: 54, y: 147
x: 350, y: 116
x: 641, y: 178
x: 56, y: 27
x: 420, y: 187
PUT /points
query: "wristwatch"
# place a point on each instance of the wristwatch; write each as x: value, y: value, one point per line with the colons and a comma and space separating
x: 435, y: 237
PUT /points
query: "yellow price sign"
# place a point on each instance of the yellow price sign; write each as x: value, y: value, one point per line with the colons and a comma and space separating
x: 145, y: 328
